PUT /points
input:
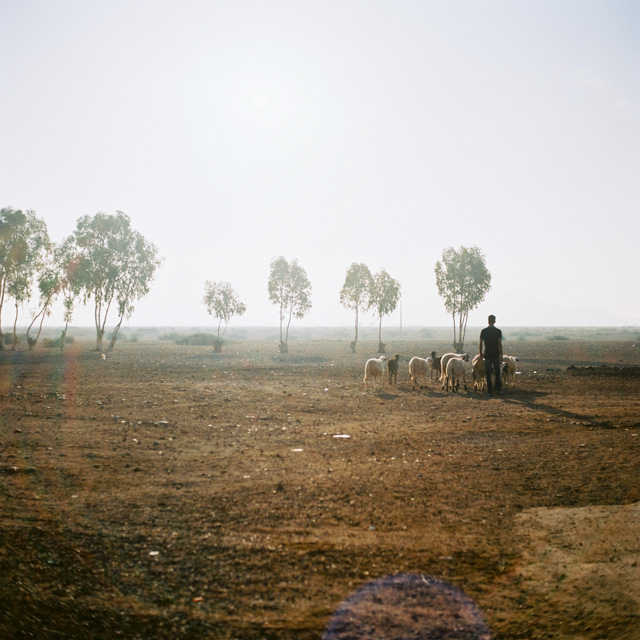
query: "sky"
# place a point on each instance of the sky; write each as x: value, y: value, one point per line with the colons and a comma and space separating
x: 336, y: 132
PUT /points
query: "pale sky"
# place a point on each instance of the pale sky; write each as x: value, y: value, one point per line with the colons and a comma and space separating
x: 336, y: 132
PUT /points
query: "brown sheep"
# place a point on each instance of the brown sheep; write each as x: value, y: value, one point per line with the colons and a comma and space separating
x: 392, y: 367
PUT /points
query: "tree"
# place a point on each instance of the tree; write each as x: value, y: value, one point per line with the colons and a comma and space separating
x: 385, y: 293
x: 463, y: 281
x: 24, y: 243
x: 53, y: 280
x: 114, y: 265
x: 222, y: 303
x: 290, y: 289
x: 49, y: 287
x: 356, y: 292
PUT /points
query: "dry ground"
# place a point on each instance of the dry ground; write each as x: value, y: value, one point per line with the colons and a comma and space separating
x: 167, y: 492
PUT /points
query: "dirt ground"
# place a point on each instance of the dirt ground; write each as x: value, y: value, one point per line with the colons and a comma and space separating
x: 170, y: 492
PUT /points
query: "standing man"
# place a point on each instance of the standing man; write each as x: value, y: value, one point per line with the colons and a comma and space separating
x: 492, y: 338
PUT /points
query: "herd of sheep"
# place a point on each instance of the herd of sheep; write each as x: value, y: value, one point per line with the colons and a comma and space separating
x: 449, y: 370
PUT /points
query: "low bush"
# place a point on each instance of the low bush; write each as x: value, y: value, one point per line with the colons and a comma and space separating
x: 174, y: 336
x: 198, y: 340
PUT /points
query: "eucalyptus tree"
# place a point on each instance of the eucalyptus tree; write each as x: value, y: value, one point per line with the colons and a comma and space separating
x: 463, y: 281
x: 49, y: 287
x: 384, y: 297
x: 356, y: 292
x: 222, y: 302
x: 53, y: 281
x: 290, y: 289
x: 24, y: 243
x: 114, y: 265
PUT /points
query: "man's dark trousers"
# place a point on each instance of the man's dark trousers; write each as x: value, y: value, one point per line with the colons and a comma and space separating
x: 493, y: 365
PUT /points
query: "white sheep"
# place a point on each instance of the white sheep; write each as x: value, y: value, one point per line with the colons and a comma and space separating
x: 418, y: 368
x: 478, y: 373
x: 455, y: 371
x: 373, y: 370
x: 508, y: 369
x: 445, y: 359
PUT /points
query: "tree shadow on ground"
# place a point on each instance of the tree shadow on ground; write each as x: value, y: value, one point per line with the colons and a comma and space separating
x: 530, y: 400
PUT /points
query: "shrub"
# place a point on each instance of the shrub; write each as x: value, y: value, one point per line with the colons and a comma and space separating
x: 198, y: 340
x: 558, y: 337
x: 174, y: 336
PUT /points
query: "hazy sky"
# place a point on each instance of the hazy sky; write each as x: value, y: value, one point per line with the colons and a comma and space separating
x: 337, y: 132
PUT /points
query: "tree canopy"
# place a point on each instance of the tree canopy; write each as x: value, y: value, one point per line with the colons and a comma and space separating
x: 463, y: 281
x: 356, y: 292
x: 290, y: 289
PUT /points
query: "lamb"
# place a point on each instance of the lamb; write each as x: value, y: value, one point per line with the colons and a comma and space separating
x: 392, y: 368
x: 455, y: 371
x: 418, y: 368
x: 445, y: 359
x: 478, y: 373
x: 434, y: 362
x: 373, y: 370
x: 508, y: 369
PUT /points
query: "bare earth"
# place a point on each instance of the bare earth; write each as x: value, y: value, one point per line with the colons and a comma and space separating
x: 169, y: 492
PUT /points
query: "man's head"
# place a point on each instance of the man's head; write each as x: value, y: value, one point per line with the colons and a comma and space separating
x: 492, y: 319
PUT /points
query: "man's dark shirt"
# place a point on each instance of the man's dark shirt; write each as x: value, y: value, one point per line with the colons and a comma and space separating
x: 491, y: 336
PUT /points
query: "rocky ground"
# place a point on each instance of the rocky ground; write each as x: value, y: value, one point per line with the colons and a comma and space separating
x: 170, y: 492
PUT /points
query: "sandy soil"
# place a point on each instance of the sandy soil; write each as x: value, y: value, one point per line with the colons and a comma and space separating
x: 169, y: 492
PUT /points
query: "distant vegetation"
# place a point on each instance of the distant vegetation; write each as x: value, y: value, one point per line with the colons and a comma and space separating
x: 174, y: 336
x: 198, y: 340
x: 393, y: 335
x: 55, y: 343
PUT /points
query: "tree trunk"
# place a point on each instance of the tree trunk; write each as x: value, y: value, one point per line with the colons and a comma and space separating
x: 4, y: 284
x: 15, y: 333
x: 286, y: 335
x: 217, y: 345
x: 381, y: 345
x: 455, y: 337
x: 354, y: 344
x: 99, y: 336
x: 63, y: 337
x: 114, y: 335
x: 281, y: 319
x: 34, y: 341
